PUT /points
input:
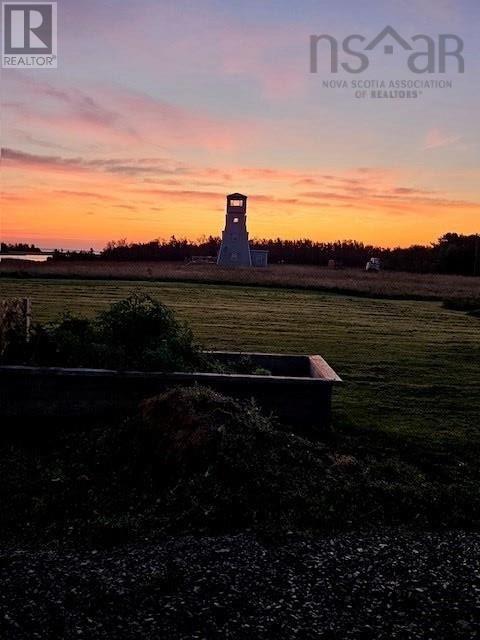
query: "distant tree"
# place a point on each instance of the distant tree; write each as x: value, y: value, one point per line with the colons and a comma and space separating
x: 19, y: 247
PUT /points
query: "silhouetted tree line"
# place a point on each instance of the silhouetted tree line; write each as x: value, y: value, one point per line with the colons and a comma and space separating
x: 19, y: 247
x: 173, y: 249
x: 452, y: 253
x: 60, y: 254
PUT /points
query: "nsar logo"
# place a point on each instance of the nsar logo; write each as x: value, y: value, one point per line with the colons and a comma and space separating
x: 430, y: 58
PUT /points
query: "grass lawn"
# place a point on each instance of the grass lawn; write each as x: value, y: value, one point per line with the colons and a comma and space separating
x: 411, y: 368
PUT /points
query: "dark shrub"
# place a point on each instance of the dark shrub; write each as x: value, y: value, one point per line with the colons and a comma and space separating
x: 13, y: 328
x: 141, y: 332
x: 137, y: 333
x: 463, y: 304
x: 71, y: 342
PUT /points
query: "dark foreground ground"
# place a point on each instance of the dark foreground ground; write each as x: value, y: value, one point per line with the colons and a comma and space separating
x: 391, y: 584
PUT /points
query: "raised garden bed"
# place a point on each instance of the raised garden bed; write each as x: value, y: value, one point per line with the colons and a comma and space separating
x: 298, y: 389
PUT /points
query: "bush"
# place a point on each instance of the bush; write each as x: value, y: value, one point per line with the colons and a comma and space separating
x: 143, y: 333
x: 471, y: 304
x: 13, y: 326
x: 137, y: 333
x: 72, y: 342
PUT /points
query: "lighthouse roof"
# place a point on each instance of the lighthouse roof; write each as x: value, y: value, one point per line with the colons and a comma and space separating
x: 236, y: 195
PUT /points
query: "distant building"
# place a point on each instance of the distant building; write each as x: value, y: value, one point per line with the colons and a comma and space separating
x: 235, y: 250
x: 259, y: 257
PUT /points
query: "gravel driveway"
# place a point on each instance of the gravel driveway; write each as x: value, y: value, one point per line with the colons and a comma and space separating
x: 390, y: 584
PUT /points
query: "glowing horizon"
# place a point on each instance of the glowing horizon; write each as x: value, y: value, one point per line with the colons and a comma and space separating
x: 142, y: 133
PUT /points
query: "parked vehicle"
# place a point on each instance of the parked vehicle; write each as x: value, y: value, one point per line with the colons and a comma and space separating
x: 373, y: 265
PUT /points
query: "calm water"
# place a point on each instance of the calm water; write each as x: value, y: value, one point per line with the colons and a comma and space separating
x: 34, y: 257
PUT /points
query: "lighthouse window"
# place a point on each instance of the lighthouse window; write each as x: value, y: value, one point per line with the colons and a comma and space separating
x: 236, y: 203
x: 235, y: 219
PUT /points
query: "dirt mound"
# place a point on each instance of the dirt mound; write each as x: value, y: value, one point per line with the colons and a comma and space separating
x: 194, y: 461
x: 183, y: 428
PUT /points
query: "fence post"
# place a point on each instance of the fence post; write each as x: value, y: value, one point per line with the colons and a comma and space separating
x: 27, y: 311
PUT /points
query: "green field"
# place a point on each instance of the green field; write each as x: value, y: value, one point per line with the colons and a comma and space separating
x: 410, y: 367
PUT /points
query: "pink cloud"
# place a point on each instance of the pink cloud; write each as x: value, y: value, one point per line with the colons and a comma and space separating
x: 435, y: 138
x: 122, y: 116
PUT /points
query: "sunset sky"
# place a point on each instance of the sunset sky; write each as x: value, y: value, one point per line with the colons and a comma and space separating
x: 160, y: 108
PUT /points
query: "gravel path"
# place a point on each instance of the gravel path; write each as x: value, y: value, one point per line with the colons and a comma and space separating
x: 390, y: 584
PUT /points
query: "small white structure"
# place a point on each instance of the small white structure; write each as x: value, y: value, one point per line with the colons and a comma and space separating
x: 235, y: 249
x: 373, y: 265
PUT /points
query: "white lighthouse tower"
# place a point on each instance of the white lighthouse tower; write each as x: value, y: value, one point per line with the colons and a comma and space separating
x: 235, y: 250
